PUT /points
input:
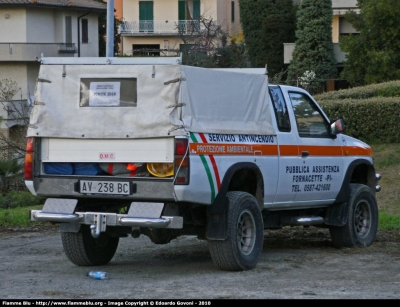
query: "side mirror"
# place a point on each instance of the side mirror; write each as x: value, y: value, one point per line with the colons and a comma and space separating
x: 337, y: 126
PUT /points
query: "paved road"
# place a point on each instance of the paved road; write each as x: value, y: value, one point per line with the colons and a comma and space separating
x: 295, y: 264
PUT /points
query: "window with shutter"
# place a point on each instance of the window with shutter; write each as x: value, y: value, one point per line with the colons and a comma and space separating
x: 68, y: 30
x: 146, y: 16
x: 85, y: 31
x: 189, y: 9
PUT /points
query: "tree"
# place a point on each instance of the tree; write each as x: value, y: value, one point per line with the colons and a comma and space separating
x: 12, y: 145
x: 313, y: 53
x: 205, y: 44
x: 103, y: 31
x: 267, y: 24
x: 278, y: 27
x: 252, y: 15
x: 8, y: 168
x: 373, y: 54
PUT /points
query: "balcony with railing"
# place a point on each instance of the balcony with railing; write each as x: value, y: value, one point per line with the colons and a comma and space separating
x: 160, y: 27
x: 34, y: 51
x: 344, y: 4
x: 67, y: 48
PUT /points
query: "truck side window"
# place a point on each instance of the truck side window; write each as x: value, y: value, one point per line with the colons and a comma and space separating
x: 281, y: 112
x: 309, y: 120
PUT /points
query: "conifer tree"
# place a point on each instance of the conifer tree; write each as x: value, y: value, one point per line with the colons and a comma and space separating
x: 278, y: 28
x: 252, y: 15
x: 313, y: 60
x: 267, y: 24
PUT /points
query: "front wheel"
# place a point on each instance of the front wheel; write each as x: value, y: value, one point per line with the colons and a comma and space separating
x: 245, y: 235
x: 84, y: 250
x: 362, y: 219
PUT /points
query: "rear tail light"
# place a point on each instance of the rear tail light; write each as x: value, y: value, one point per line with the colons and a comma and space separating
x: 28, y: 164
x: 181, y: 162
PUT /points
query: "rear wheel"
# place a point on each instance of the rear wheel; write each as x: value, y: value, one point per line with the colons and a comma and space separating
x: 84, y: 250
x: 362, y: 219
x: 245, y: 235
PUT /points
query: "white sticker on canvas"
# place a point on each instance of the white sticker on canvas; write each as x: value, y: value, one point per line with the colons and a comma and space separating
x: 104, y: 94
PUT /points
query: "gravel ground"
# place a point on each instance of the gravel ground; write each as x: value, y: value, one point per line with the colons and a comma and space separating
x: 296, y: 263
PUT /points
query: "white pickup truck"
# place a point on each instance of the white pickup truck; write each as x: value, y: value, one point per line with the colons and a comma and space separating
x: 131, y: 146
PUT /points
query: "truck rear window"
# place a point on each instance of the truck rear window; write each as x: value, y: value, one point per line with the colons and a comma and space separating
x: 108, y: 92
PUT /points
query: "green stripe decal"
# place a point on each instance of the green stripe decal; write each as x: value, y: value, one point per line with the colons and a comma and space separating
x: 207, y: 168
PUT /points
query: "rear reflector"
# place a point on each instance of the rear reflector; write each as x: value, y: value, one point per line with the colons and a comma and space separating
x: 181, y: 161
x: 180, y: 146
x: 28, y: 164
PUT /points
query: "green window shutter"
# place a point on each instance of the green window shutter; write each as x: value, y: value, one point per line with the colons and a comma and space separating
x: 181, y: 10
x: 196, y: 9
x: 146, y: 16
x: 150, y: 11
x: 145, y: 10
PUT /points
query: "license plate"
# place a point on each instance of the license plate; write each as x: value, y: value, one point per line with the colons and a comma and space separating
x: 104, y: 187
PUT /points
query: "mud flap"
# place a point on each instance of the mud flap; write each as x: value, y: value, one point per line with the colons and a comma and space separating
x: 217, y: 219
x: 336, y: 215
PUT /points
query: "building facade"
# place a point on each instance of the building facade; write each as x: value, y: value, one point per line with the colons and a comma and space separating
x: 156, y: 25
x: 50, y: 28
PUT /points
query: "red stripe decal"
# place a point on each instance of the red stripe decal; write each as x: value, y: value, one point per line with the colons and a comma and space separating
x: 214, y: 164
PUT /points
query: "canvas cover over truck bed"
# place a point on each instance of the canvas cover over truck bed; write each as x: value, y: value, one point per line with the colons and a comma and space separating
x: 89, y: 99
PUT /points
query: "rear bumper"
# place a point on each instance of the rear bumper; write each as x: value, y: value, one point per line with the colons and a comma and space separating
x: 108, y: 219
x: 140, y: 214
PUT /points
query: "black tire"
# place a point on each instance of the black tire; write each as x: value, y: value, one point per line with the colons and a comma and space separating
x: 84, y: 250
x: 362, y: 219
x: 245, y: 235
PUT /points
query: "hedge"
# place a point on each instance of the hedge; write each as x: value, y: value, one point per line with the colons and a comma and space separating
x: 376, y: 119
x: 386, y: 89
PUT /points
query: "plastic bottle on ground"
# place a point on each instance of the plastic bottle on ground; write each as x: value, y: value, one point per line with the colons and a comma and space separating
x: 97, y: 275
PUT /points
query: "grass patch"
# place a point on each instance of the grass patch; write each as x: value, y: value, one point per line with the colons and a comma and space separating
x: 386, y: 154
x: 388, y: 221
x: 17, y: 217
x: 387, y: 163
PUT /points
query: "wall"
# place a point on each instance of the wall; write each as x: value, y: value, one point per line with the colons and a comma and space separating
x: 345, y: 27
x: 163, y: 10
x: 14, y: 27
x: 40, y: 26
x: 59, y: 26
x: 168, y: 9
x: 16, y: 72
x: 90, y: 49
x: 335, y: 29
x: 173, y: 42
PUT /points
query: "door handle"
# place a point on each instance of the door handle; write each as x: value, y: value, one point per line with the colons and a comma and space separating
x: 304, y: 154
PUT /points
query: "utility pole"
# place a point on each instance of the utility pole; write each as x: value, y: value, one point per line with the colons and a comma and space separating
x: 110, y: 29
